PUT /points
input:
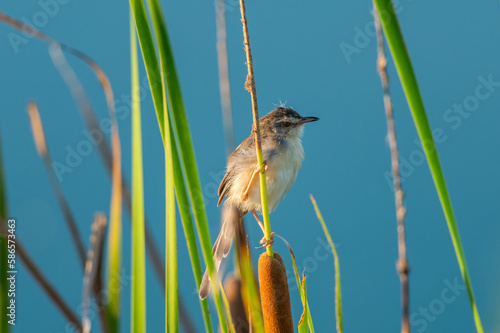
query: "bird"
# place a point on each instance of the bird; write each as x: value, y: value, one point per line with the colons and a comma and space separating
x: 281, y: 131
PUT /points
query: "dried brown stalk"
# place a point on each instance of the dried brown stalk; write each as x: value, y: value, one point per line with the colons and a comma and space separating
x: 224, y: 87
x: 43, y: 151
x: 43, y: 281
x: 403, y: 267
x: 104, y: 150
x: 92, y: 270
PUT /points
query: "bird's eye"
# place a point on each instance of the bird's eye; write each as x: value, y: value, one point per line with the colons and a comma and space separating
x: 287, y: 123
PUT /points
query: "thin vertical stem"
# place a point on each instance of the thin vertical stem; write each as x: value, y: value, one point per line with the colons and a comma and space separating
x: 402, y: 264
x: 338, y: 292
x: 92, y: 269
x: 138, y: 290
x: 43, y: 151
x: 224, y: 87
x: 41, y: 146
x: 250, y: 86
x: 103, y: 148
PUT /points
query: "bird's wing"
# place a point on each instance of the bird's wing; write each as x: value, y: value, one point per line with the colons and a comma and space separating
x: 225, y: 186
x: 238, y: 157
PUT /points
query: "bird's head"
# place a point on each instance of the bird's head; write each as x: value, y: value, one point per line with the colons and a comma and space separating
x: 284, y: 122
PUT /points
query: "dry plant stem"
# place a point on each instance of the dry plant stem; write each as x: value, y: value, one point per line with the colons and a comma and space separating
x: 232, y: 283
x: 40, y: 142
x: 43, y: 151
x: 250, y: 86
x: 233, y: 286
x: 243, y: 254
x: 224, y: 87
x: 98, y: 289
x: 42, y: 280
x: 92, y: 266
x: 228, y: 317
x: 104, y: 150
x: 79, y: 94
x: 402, y: 264
x: 241, y: 319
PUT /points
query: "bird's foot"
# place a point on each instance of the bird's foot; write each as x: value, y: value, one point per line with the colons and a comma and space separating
x: 244, y: 195
x: 266, y: 242
x: 259, y: 168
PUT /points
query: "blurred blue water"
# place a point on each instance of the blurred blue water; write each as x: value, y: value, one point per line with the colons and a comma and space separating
x: 318, y: 58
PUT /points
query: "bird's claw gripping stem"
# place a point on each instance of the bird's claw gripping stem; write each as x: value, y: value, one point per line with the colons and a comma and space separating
x: 266, y: 242
x: 263, y: 166
x: 258, y: 169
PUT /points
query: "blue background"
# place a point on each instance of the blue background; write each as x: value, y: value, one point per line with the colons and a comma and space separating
x: 298, y: 58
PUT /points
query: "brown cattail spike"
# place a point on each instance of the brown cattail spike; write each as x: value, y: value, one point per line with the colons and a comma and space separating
x: 274, y: 294
x: 232, y: 285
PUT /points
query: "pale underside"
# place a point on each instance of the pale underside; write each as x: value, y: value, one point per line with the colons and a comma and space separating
x: 283, y: 166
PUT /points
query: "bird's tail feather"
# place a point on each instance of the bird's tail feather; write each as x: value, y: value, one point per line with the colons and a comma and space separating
x: 221, y: 246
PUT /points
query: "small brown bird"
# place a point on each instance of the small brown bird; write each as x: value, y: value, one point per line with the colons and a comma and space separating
x: 281, y: 130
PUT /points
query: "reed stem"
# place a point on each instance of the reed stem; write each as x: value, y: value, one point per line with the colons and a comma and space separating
x: 250, y: 86
x: 402, y: 263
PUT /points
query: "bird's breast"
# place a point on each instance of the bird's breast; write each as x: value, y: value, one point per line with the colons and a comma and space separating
x: 284, y: 160
x: 282, y: 170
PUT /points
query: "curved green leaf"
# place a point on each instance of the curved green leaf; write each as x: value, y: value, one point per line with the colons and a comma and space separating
x: 409, y: 82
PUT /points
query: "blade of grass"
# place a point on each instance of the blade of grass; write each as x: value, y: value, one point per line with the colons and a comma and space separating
x: 230, y: 323
x: 182, y: 132
x: 152, y: 67
x: 250, y: 86
x: 410, y: 86
x: 172, y: 291
x: 114, y: 237
x: 150, y: 60
x: 338, y: 295
x: 249, y: 288
x: 189, y: 233
x: 299, y: 285
x: 4, y: 300
x: 138, y: 295
x: 183, y: 137
x: 250, y: 294
x: 172, y: 283
x: 303, y: 291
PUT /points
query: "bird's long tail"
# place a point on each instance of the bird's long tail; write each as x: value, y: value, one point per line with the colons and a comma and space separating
x: 221, y: 246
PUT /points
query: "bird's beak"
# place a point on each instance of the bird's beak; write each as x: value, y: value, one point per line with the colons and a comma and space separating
x: 306, y: 120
